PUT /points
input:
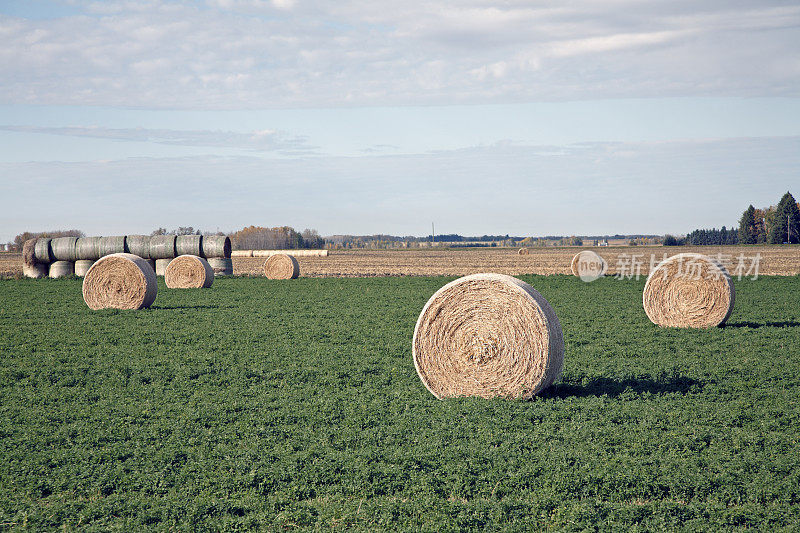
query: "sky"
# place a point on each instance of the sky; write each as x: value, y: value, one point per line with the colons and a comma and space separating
x: 517, y: 117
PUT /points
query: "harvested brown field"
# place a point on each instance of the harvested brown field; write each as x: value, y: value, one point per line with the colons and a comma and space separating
x: 775, y: 260
x: 624, y: 260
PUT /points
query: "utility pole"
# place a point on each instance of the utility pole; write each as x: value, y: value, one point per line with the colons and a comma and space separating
x: 788, y: 229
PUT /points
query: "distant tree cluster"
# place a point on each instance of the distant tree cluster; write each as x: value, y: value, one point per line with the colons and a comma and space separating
x: 20, y: 239
x: 713, y: 236
x: 278, y: 238
x: 188, y: 230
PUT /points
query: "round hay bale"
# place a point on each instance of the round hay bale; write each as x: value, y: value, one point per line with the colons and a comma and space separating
x: 120, y: 281
x: 29, y: 252
x: 112, y: 245
x: 242, y: 253
x: 189, y: 272
x: 689, y: 291
x: 523, y: 251
x: 281, y: 266
x: 87, y: 248
x: 138, y: 245
x: 61, y: 269
x: 221, y: 266
x: 162, y: 247
x: 215, y: 246
x: 36, y: 270
x: 64, y: 248
x: 161, y: 266
x: 188, y: 245
x: 82, y: 266
x: 588, y: 265
x: 488, y: 335
x: 42, y: 251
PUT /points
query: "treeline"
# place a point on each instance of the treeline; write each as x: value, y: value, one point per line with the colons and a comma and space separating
x: 278, y: 238
x: 20, y: 239
x: 775, y: 224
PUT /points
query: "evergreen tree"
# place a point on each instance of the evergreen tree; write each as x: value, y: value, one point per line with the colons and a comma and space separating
x: 786, y: 222
x: 748, y: 227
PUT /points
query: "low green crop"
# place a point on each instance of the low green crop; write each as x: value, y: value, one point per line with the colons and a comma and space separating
x: 285, y: 405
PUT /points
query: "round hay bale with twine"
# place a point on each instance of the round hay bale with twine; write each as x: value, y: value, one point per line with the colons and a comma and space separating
x: 112, y: 245
x: 488, y: 335
x: 36, y: 270
x: 29, y: 252
x: 189, y: 272
x: 221, y: 266
x: 162, y: 247
x: 87, y: 248
x: 61, y: 269
x: 64, y: 248
x: 188, y: 245
x: 82, y: 266
x: 161, y: 266
x: 42, y: 251
x: 120, y: 281
x: 689, y: 291
x: 281, y: 266
x: 138, y: 245
x: 215, y: 246
x: 523, y: 251
x: 588, y: 265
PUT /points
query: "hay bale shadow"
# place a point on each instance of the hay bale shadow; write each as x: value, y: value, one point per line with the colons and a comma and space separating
x: 614, y: 387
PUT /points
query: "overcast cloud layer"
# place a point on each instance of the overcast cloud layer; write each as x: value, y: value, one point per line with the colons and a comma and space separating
x: 227, y: 54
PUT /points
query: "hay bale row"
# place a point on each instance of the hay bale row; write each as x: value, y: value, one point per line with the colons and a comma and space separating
x: 46, y: 251
x: 268, y: 253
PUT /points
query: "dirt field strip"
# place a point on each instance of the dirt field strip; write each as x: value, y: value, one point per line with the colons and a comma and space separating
x: 625, y: 260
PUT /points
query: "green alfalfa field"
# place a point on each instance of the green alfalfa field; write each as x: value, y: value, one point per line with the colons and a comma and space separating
x: 295, y: 405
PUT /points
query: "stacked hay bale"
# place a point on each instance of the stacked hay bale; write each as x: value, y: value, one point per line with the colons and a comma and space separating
x: 488, y: 335
x: 689, y: 291
x: 120, y: 281
x: 41, y: 255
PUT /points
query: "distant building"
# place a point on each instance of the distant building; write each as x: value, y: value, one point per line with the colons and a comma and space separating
x: 603, y: 243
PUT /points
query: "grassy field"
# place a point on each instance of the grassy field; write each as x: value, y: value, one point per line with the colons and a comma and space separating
x: 296, y: 405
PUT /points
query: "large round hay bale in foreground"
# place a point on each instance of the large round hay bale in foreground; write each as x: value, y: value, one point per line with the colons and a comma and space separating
x: 112, y: 245
x: 64, y: 248
x: 36, y: 270
x: 138, y: 245
x: 42, y: 251
x: 61, y: 269
x: 82, y: 266
x: 120, y: 281
x: 488, y: 335
x: 221, y: 266
x: 689, y: 291
x: 29, y: 252
x: 189, y: 272
x: 281, y: 266
x: 87, y: 248
x: 161, y: 266
x: 162, y: 247
x: 188, y: 245
x: 216, y: 246
x: 588, y: 265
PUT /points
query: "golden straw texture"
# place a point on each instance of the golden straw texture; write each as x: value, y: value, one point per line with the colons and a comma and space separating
x: 523, y: 251
x: 588, y: 265
x: 188, y: 272
x: 120, y: 281
x: 488, y: 335
x: 29, y: 252
x: 281, y: 266
x: 689, y: 291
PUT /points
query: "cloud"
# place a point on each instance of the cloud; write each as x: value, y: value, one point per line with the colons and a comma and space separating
x: 258, y: 141
x: 237, y: 54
